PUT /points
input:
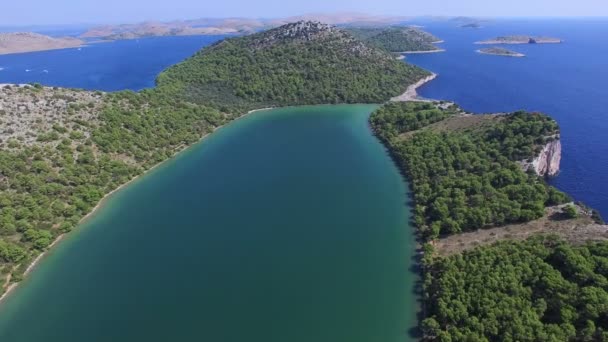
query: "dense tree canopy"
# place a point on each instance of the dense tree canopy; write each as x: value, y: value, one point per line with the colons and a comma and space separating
x: 301, y: 63
x: 468, y: 179
x: 542, y: 289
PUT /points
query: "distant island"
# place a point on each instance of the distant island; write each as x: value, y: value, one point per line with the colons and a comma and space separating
x: 19, y: 42
x: 398, y: 39
x: 227, y: 26
x: 520, y: 40
x: 471, y: 25
x: 500, y: 52
x: 469, y: 22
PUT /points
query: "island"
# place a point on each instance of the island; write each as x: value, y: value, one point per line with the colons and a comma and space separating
x: 19, y: 42
x: 503, y: 254
x: 401, y: 40
x: 471, y: 25
x: 500, y: 52
x: 521, y: 40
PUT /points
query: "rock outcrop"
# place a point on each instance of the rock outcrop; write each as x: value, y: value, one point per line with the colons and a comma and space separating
x: 546, y: 164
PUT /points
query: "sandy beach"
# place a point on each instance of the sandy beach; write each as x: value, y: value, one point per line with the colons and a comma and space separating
x: 411, y: 94
x: 11, y: 286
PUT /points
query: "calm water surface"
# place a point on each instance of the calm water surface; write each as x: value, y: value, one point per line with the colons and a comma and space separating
x: 110, y: 66
x: 566, y: 81
x: 287, y: 225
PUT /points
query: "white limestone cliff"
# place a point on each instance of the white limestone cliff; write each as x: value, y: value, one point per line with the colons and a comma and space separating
x: 546, y: 164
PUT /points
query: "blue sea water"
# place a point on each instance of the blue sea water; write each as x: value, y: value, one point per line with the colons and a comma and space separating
x: 566, y: 81
x: 109, y: 66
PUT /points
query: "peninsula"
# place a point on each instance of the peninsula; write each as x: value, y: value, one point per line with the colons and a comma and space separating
x: 500, y: 52
x: 401, y: 40
x: 521, y: 40
x: 490, y: 221
x: 20, y: 42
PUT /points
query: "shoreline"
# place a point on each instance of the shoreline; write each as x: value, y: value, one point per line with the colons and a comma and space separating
x: 10, y: 287
x: 411, y: 94
x: 418, y: 52
x: 4, y: 53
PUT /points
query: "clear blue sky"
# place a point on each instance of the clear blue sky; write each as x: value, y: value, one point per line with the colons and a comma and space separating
x: 28, y: 12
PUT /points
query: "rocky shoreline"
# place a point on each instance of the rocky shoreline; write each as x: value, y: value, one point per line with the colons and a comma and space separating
x: 411, y: 94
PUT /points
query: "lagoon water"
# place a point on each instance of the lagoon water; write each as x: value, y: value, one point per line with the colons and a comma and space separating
x: 566, y: 81
x: 286, y: 225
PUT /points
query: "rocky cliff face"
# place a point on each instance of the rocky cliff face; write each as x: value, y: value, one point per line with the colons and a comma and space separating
x: 546, y: 164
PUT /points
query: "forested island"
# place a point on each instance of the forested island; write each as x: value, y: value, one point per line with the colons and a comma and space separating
x: 521, y: 40
x: 500, y: 52
x: 63, y: 150
x: 505, y: 255
x: 546, y: 278
x: 398, y: 39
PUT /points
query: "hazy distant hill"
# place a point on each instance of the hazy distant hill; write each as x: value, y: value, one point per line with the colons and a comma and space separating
x: 26, y: 42
x: 205, y: 26
x: 299, y: 63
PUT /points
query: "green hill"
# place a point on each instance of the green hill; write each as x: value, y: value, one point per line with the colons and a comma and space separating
x: 295, y: 64
x: 397, y: 39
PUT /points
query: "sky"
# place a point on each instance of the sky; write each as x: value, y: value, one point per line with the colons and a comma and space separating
x: 44, y: 12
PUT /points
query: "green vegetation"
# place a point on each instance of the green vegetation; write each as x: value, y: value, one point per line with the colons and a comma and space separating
x: 542, y: 289
x: 397, y: 39
x: 500, y: 52
x: 46, y: 189
x: 467, y: 180
x: 297, y: 64
x: 59, y: 172
x: 570, y: 211
x: 464, y: 174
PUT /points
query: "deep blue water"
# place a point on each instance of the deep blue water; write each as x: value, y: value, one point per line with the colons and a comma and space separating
x: 110, y: 66
x: 566, y: 81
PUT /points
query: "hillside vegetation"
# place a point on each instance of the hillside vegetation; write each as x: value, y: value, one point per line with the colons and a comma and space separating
x: 468, y: 179
x: 296, y: 64
x: 543, y: 289
x: 63, y: 150
x: 464, y: 175
x: 397, y: 39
